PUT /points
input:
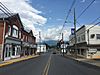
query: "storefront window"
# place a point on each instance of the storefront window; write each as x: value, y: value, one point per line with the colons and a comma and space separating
x: 13, y: 51
x: 9, y: 52
x: 17, y: 53
x: 6, y: 50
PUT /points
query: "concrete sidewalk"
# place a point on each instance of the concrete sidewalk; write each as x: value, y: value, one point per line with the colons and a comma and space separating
x: 8, y: 62
x: 90, y: 62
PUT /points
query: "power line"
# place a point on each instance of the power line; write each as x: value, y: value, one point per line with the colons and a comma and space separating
x: 89, y: 28
x: 94, y: 25
x: 95, y: 20
x: 5, y: 7
x: 85, y: 9
x: 67, y: 16
x: 4, y: 10
x: 69, y: 12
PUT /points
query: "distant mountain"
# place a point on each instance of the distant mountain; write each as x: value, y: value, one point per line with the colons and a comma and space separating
x: 51, y: 42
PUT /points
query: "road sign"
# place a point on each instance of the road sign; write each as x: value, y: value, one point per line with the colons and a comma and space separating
x: 92, y: 50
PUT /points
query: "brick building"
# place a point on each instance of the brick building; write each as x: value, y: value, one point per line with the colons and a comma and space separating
x: 28, y: 43
x: 11, y: 30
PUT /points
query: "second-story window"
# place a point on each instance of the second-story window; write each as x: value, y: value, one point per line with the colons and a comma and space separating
x: 26, y: 39
x: 83, y: 37
x: 9, y: 29
x: 23, y: 39
x: 98, y: 36
x: 78, y: 39
x: 20, y: 34
x: 15, y: 31
x: 92, y: 36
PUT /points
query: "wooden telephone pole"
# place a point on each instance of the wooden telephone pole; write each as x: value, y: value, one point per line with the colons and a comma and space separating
x: 75, y: 34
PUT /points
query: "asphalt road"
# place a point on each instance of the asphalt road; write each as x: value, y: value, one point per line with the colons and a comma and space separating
x: 63, y: 66
x: 33, y: 66
x: 53, y: 64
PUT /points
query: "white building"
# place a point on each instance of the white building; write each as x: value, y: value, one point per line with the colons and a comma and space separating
x: 41, y: 48
x: 63, y: 48
x: 88, y: 41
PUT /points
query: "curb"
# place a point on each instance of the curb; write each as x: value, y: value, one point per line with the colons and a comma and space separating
x: 84, y: 63
x: 15, y: 61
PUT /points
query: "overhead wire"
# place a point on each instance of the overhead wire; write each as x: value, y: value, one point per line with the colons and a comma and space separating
x: 95, y: 20
x: 68, y: 13
x: 85, y: 9
x: 65, y: 21
x: 91, y: 22
x: 5, y: 8
x: 84, y: 12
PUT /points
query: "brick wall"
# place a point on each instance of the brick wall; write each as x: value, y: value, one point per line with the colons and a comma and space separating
x: 1, y: 32
x: 0, y: 50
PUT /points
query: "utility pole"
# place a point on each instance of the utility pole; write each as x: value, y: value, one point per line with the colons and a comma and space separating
x: 75, y: 34
x: 63, y: 43
x: 40, y: 41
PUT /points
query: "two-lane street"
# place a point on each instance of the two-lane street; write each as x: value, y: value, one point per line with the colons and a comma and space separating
x: 33, y: 66
x: 57, y: 65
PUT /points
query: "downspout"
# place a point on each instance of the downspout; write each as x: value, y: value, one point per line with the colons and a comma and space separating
x: 3, y: 42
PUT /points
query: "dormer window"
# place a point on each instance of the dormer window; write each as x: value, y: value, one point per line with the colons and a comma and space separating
x: 15, y: 31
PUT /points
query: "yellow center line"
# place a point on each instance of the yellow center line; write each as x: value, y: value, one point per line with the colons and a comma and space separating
x: 46, y: 69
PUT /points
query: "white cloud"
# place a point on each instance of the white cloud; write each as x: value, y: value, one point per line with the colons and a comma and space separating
x: 29, y: 15
x: 54, y: 33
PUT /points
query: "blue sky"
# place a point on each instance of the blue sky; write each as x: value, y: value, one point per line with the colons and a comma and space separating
x: 56, y: 10
x: 48, y: 16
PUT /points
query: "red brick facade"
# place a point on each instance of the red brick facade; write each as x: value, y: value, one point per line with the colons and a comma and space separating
x: 1, y: 31
x: 15, y: 37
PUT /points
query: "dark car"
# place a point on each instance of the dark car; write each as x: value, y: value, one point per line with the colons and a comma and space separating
x: 54, y: 52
